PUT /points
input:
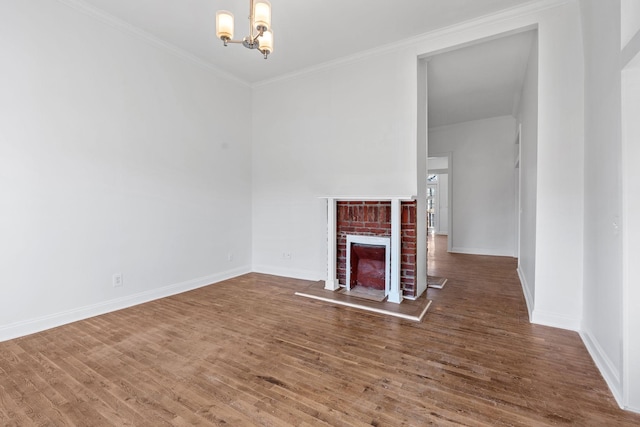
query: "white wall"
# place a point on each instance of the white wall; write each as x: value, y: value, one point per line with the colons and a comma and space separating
x: 602, y: 324
x: 630, y: 88
x: 435, y: 163
x: 528, y: 121
x: 630, y: 11
x: 631, y: 232
x: 560, y: 173
x: 483, y: 192
x: 116, y: 156
x: 422, y: 148
x: 443, y: 204
x: 338, y: 131
x: 611, y: 300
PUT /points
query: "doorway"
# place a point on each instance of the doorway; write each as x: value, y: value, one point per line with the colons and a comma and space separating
x: 438, y: 195
x: 432, y: 204
x: 478, y: 96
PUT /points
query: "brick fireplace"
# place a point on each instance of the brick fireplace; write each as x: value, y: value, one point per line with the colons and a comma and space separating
x: 393, y: 218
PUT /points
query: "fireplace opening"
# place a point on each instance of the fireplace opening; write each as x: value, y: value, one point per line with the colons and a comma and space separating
x: 368, y: 264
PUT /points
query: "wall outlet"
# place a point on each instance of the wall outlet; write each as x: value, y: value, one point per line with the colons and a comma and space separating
x: 230, y: 256
x: 117, y: 280
x: 286, y: 255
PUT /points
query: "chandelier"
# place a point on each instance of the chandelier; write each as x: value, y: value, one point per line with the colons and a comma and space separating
x: 260, y: 35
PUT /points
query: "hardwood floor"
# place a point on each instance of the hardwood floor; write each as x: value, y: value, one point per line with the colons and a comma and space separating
x: 249, y: 352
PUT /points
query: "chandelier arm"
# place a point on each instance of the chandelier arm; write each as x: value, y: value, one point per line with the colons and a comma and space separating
x: 251, y: 21
x: 255, y: 39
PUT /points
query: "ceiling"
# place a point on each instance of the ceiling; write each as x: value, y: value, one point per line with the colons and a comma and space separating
x: 479, y: 81
x: 470, y: 83
x: 307, y: 32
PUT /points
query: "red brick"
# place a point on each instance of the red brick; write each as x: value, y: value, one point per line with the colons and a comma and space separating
x: 373, y: 218
x: 372, y: 213
x: 382, y: 215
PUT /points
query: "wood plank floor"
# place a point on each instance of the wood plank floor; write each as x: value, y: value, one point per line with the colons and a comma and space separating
x: 249, y: 352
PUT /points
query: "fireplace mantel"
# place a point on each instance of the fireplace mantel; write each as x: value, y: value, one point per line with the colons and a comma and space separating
x: 395, y: 292
x: 368, y: 198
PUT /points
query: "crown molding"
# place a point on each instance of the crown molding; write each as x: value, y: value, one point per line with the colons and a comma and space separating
x: 529, y: 8
x: 125, y: 27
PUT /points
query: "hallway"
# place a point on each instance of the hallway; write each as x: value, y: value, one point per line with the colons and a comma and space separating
x: 480, y: 319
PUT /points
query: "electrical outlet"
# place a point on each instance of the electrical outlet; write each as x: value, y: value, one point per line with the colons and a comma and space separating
x: 230, y: 256
x: 286, y: 255
x: 117, y: 280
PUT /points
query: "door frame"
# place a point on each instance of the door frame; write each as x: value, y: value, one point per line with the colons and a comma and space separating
x: 449, y: 171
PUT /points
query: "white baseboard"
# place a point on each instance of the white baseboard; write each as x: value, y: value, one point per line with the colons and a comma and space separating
x: 481, y: 251
x: 526, y: 290
x: 632, y: 409
x: 288, y: 272
x: 610, y: 374
x: 600, y: 358
x: 555, y: 320
x: 31, y: 326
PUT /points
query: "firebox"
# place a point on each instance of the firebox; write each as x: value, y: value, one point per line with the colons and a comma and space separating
x: 368, y: 262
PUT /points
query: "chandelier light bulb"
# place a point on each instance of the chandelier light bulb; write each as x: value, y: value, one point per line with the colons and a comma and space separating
x: 265, y: 43
x: 262, y: 15
x: 224, y: 25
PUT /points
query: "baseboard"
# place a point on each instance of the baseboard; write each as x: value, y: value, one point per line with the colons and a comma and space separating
x: 632, y: 409
x: 31, y: 326
x: 608, y: 371
x: 555, y: 320
x: 481, y: 251
x: 288, y: 272
x: 526, y: 290
x: 600, y: 358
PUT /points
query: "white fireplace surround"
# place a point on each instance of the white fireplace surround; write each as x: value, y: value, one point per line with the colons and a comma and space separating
x: 332, y: 284
x: 371, y: 241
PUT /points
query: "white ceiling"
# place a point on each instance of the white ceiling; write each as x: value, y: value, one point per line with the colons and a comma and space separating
x: 306, y: 32
x: 467, y: 84
x: 479, y: 81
